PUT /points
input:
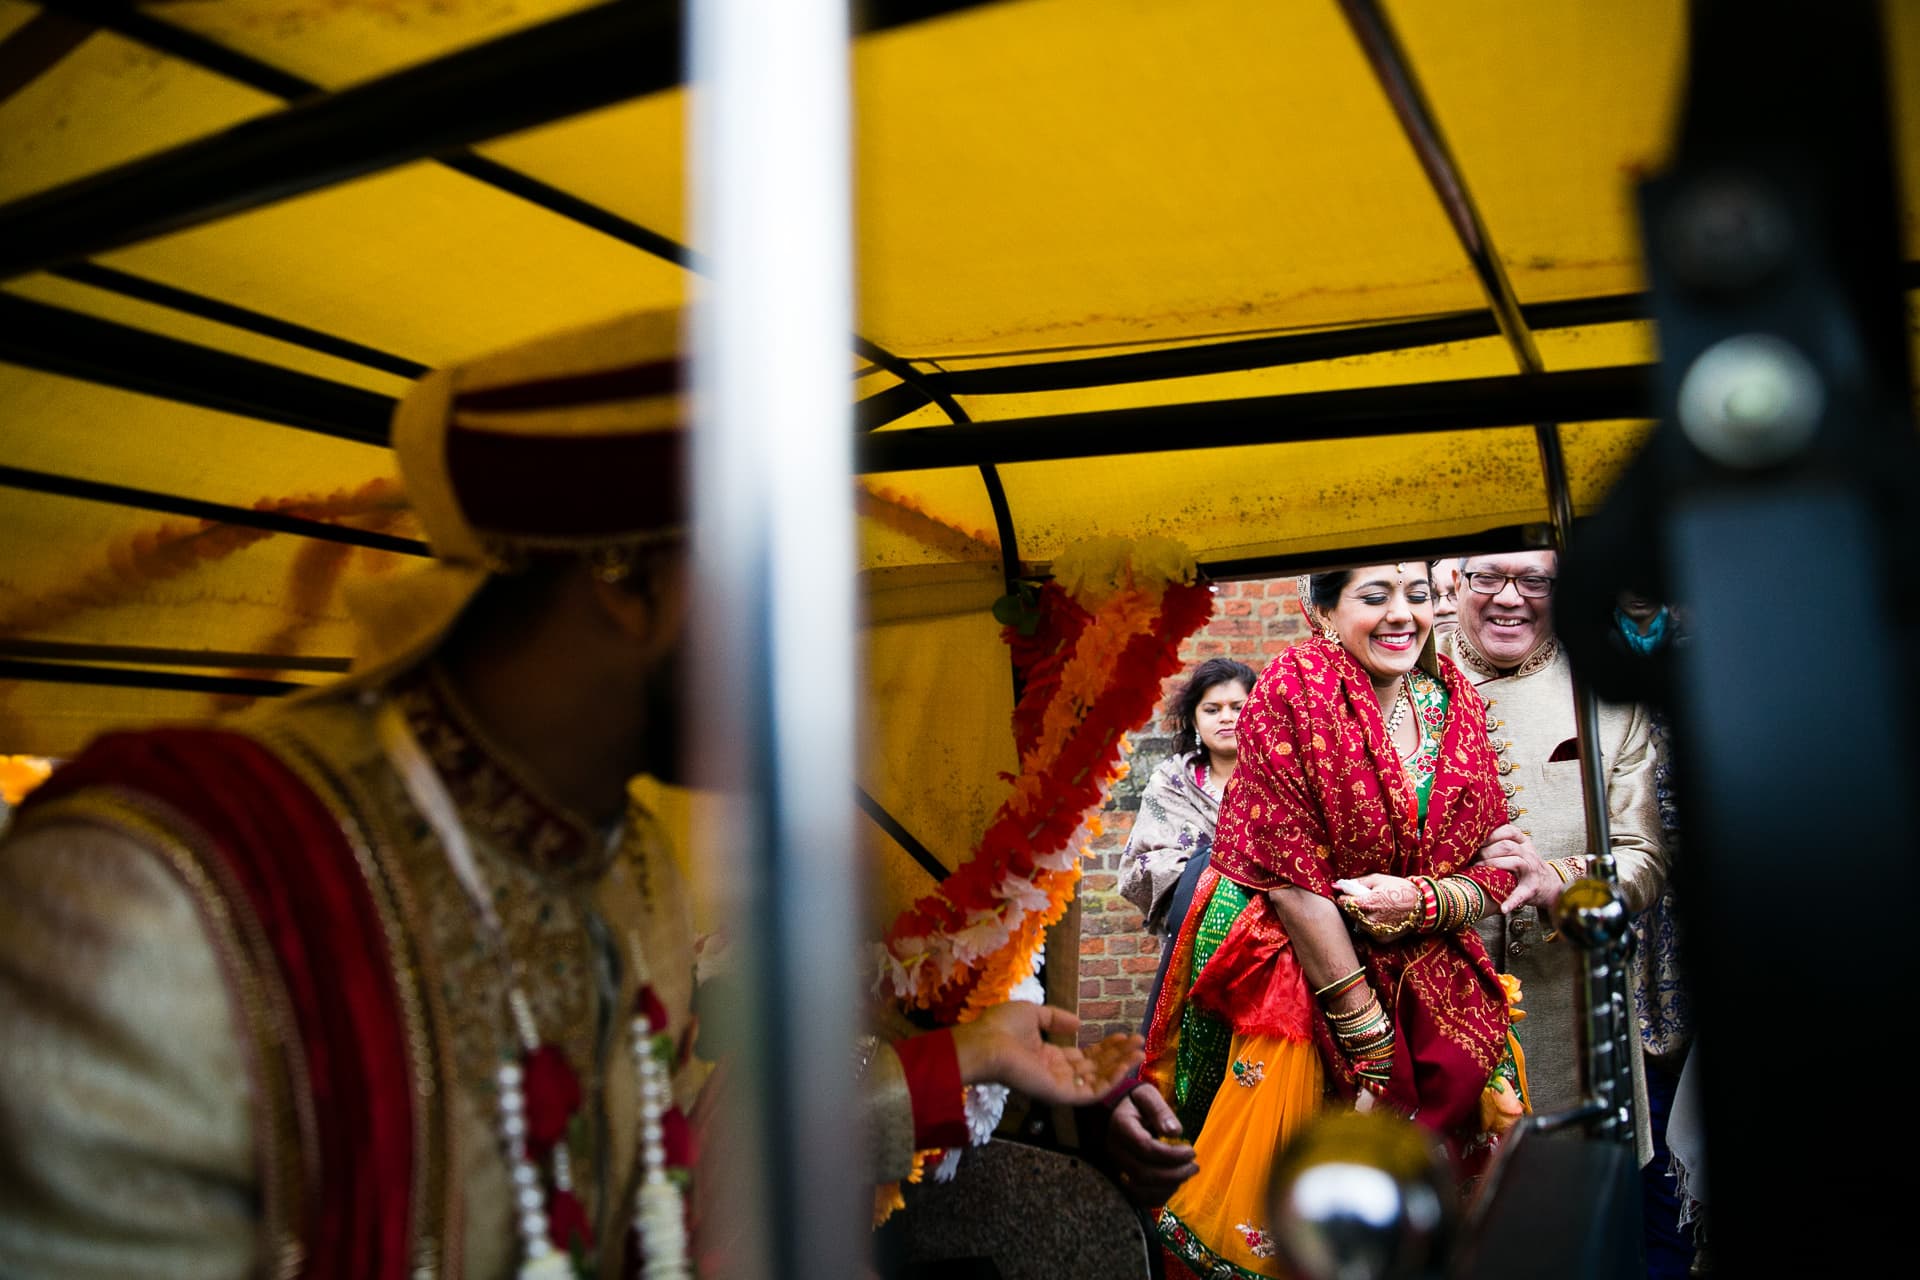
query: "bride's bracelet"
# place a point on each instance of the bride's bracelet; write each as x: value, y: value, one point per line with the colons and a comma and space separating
x: 1365, y: 1034
x: 1569, y: 868
x: 1450, y: 904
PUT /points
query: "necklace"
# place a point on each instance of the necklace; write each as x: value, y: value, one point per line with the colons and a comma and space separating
x: 1403, y: 698
x: 540, y: 1093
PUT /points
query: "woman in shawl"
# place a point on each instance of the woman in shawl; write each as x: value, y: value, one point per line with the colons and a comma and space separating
x: 1330, y: 956
x: 1181, y: 801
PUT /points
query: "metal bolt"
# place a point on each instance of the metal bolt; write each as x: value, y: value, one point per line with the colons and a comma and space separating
x: 1751, y: 401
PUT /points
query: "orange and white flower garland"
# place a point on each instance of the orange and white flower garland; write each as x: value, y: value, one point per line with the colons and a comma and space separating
x: 1109, y: 630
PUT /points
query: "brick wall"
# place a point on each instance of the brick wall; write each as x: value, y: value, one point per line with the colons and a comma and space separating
x: 1253, y: 622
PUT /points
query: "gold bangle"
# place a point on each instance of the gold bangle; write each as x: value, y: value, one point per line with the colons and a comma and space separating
x: 1372, y: 1002
x: 1340, y: 986
x: 1473, y: 900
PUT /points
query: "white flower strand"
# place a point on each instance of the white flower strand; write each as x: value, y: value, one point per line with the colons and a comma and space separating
x: 541, y: 1261
x: 986, y: 1103
x: 659, y: 1210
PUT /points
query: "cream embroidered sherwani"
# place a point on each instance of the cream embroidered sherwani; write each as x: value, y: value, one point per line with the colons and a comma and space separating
x: 1530, y: 717
x: 132, y: 1134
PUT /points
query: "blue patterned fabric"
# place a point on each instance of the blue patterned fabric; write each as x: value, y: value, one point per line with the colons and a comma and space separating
x: 1666, y: 1015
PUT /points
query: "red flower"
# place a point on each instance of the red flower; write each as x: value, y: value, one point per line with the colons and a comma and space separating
x: 677, y: 1137
x: 647, y: 1004
x: 553, y: 1095
x: 567, y: 1222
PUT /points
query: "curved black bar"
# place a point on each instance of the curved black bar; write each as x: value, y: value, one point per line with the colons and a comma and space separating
x: 220, y: 513
x: 64, y: 651
x: 1606, y: 1076
x: 573, y: 64
x: 126, y: 678
x: 901, y: 836
x: 55, y: 340
x: 129, y: 285
x: 1581, y: 395
x: 1512, y: 537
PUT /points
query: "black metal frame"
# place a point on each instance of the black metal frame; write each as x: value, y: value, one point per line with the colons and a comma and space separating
x: 126, y: 284
x: 1623, y: 392
x: 915, y: 847
x: 1606, y: 1069
x: 56, y: 340
x: 30, y: 481
x: 64, y: 651
x: 124, y: 678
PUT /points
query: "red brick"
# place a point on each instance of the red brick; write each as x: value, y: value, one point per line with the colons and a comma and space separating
x: 1100, y: 967
x: 1244, y: 649
x: 1237, y: 608
x: 1122, y: 945
x: 1135, y: 1010
x: 1139, y: 964
x: 1089, y: 988
x: 1095, y: 946
x: 1101, y: 1009
x: 1233, y: 627
x: 1208, y: 649
x: 1099, y: 883
x: 1269, y: 608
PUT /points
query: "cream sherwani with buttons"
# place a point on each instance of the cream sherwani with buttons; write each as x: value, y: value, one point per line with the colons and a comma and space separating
x: 1530, y: 717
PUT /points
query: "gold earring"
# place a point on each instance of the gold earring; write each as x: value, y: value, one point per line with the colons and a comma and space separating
x: 1330, y: 633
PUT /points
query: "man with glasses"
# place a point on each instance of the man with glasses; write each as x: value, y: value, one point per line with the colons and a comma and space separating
x: 1505, y: 643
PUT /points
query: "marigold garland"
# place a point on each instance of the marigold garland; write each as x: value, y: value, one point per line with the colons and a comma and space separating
x: 173, y: 547
x: 1092, y: 670
x: 907, y: 516
x: 129, y: 564
x: 19, y: 775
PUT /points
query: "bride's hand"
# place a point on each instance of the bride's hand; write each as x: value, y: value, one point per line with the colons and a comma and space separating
x: 1386, y: 907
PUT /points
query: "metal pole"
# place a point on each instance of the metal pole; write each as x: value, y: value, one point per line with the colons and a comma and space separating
x: 774, y: 556
x: 1607, y: 1073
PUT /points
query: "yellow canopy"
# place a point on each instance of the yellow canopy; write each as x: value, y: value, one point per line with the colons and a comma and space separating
x: 1064, y: 208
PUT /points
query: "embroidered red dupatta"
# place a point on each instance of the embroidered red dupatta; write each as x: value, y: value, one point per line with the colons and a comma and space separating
x: 1318, y: 796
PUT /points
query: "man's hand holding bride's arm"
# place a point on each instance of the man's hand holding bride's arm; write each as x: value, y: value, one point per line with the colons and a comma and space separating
x: 1536, y: 884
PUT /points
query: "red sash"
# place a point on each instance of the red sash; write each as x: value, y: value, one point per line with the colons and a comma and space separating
x: 303, y: 887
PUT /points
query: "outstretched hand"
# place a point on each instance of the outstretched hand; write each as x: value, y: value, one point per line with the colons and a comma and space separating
x: 1007, y: 1045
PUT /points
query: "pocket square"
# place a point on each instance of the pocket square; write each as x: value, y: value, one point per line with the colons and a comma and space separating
x: 1568, y: 750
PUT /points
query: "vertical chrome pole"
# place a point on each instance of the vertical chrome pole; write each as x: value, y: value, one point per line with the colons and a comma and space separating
x: 774, y: 560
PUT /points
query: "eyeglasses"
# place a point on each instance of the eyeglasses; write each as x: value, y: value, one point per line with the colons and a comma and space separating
x: 1534, y: 586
